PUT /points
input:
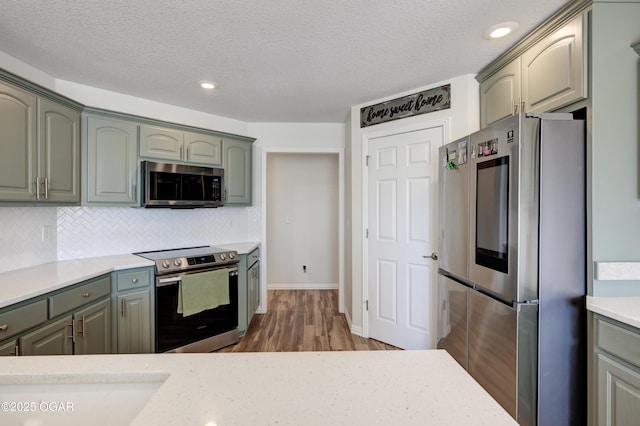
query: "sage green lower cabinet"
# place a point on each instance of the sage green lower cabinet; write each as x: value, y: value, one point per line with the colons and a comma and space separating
x: 55, y: 338
x: 93, y: 329
x: 248, y: 288
x: 617, y: 373
x: 9, y: 348
x: 133, y: 321
x: 253, y: 299
x: 73, y: 320
x: 87, y: 331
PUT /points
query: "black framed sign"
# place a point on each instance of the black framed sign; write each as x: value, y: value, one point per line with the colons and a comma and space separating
x: 423, y: 102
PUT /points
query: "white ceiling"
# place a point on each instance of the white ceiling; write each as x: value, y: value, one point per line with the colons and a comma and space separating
x: 276, y: 60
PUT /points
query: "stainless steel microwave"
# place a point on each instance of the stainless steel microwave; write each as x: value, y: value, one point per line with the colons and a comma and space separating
x: 181, y: 186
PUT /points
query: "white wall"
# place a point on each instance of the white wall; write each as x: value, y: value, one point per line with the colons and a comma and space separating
x: 463, y: 117
x: 302, y: 221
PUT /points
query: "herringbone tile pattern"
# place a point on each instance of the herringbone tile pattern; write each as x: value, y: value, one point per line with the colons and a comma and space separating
x: 21, y: 242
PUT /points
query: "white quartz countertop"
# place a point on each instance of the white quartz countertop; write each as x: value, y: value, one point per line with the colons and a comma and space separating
x: 623, y: 309
x: 294, y: 388
x: 241, y: 248
x: 23, y: 284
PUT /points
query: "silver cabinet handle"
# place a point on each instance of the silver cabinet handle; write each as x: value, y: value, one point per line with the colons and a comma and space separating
x: 122, y: 307
x: 81, y: 331
x: 87, y: 294
x: 181, y: 149
x: 37, y: 187
x: 46, y: 188
x: 433, y: 256
x: 4, y: 327
x: 135, y: 280
x: 73, y: 331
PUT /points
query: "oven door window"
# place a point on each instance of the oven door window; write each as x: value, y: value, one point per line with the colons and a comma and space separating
x: 492, y: 214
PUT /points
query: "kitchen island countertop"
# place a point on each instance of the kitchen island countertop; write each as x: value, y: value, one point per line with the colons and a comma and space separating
x: 293, y: 388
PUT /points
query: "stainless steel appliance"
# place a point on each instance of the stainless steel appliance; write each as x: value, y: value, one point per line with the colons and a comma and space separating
x: 511, y: 294
x: 205, y: 331
x: 181, y: 186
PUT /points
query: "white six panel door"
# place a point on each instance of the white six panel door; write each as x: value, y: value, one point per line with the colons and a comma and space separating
x: 402, y: 213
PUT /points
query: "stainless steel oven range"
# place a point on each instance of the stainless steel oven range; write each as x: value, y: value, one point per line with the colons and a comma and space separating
x: 191, y: 295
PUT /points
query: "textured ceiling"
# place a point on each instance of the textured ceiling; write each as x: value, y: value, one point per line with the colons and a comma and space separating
x: 277, y: 60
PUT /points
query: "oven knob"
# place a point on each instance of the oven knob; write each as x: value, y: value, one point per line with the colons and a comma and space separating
x: 222, y: 256
x: 165, y: 264
x: 177, y: 262
x: 232, y: 255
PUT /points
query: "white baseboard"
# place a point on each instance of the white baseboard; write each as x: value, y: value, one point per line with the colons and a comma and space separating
x: 348, y: 318
x: 357, y: 330
x: 302, y: 286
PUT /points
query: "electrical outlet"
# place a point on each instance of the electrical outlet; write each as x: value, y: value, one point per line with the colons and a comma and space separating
x: 46, y: 233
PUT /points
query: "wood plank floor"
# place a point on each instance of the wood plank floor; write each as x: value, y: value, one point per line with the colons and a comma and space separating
x: 302, y: 320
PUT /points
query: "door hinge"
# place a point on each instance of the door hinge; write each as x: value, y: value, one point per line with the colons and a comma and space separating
x: 366, y: 305
x: 367, y: 160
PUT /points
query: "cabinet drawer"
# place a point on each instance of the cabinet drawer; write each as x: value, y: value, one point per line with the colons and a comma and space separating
x: 617, y: 340
x: 134, y: 279
x: 253, y: 257
x: 78, y: 296
x: 23, y: 318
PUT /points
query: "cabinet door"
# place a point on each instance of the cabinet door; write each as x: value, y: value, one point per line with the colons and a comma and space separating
x: 618, y: 393
x: 203, y: 149
x: 500, y: 94
x: 9, y: 348
x: 59, y: 152
x: 243, y: 295
x: 18, y: 157
x: 93, y: 329
x: 254, y: 290
x: 553, y: 70
x: 134, y: 322
x: 161, y: 143
x: 237, y: 172
x: 112, y: 161
x: 55, y: 338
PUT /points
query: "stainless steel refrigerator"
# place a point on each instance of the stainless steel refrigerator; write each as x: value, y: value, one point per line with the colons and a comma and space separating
x: 512, y: 287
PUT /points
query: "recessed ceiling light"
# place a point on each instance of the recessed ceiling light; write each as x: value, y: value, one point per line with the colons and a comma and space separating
x: 499, y: 30
x: 207, y: 85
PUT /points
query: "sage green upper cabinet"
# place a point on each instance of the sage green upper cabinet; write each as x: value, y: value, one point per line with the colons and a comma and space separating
x: 18, y: 157
x: 111, y: 161
x: 203, y: 149
x: 167, y: 144
x: 549, y: 74
x: 40, y: 150
x: 553, y: 70
x: 161, y: 143
x: 59, y: 151
x: 500, y: 94
x: 236, y: 161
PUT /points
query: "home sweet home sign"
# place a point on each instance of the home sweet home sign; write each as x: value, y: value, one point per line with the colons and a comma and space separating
x: 418, y: 103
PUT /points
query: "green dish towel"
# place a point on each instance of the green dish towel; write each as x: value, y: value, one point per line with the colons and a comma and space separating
x: 202, y: 291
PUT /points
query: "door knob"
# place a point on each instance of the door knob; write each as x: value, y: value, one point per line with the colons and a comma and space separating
x: 433, y: 256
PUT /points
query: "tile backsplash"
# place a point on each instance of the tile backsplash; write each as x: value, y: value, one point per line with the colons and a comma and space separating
x: 21, y: 239
x: 80, y: 232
